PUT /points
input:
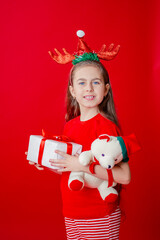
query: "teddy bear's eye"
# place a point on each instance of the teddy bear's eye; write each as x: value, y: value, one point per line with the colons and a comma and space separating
x: 103, y: 154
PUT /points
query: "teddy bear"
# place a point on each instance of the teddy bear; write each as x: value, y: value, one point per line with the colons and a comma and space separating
x: 105, y: 151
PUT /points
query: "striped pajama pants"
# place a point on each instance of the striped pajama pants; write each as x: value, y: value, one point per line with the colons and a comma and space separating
x: 94, y: 229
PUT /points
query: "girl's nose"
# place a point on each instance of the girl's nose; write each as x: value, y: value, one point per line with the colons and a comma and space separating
x: 89, y: 87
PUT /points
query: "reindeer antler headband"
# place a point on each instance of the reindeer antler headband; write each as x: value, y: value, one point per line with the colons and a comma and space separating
x: 85, y: 53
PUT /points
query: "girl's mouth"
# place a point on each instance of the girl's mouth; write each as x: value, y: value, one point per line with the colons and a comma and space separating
x: 89, y: 97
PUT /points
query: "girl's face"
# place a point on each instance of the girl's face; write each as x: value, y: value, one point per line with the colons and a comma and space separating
x: 88, y: 87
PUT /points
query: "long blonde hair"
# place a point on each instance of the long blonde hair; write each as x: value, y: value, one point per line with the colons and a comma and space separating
x: 106, y: 106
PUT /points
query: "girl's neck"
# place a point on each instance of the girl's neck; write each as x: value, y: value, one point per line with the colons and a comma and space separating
x: 88, y: 113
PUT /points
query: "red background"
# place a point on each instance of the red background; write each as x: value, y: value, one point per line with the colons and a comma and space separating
x: 32, y: 95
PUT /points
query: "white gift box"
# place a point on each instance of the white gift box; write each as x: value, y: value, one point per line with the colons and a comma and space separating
x: 49, y: 150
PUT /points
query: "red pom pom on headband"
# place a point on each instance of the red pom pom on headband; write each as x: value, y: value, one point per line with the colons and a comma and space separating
x: 84, y: 52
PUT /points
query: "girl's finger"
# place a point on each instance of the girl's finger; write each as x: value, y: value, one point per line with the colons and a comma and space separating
x: 61, y: 153
x: 32, y: 163
x: 62, y: 170
x: 39, y: 167
x: 51, y: 160
x: 57, y: 161
x: 26, y: 153
x: 76, y: 155
x: 58, y: 164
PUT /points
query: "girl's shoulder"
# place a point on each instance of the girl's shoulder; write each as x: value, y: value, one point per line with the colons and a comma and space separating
x: 108, y: 126
x: 104, y: 120
x: 71, y: 122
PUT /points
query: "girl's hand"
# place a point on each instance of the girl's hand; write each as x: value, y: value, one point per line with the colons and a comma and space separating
x: 69, y: 163
x: 39, y: 167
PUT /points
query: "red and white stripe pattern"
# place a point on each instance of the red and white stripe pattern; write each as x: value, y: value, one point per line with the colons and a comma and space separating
x: 94, y: 229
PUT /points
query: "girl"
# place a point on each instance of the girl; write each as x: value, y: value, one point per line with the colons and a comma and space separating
x: 90, y: 112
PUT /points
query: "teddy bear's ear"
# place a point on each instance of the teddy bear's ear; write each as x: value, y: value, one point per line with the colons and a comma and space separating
x: 103, y: 137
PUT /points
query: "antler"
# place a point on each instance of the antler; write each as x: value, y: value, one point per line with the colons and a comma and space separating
x: 62, y: 59
x: 110, y: 53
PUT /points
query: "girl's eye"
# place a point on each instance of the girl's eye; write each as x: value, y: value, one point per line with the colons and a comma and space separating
x: 96, y: 82
x: 103, y: 154
x: 81, y: 83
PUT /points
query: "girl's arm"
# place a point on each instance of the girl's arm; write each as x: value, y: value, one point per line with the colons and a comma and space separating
x: 121, y: 171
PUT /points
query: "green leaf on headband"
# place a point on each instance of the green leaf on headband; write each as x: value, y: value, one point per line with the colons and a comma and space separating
x: 85, y: 57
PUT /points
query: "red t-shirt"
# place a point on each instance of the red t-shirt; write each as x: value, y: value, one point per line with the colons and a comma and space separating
x: 86, y: 203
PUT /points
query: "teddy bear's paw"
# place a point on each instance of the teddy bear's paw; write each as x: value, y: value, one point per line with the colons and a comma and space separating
x: 112, y: 197
x: 76, y: 185
x: 85, y: 158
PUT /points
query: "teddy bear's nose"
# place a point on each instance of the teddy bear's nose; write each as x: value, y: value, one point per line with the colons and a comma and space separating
x: 109, y: 166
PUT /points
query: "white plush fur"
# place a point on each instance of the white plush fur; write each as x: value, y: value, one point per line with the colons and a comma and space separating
x: 108, y: 153
x: 80, y: 33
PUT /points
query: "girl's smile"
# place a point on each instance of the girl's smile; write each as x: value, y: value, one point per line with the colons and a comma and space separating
x: 89, y: 97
